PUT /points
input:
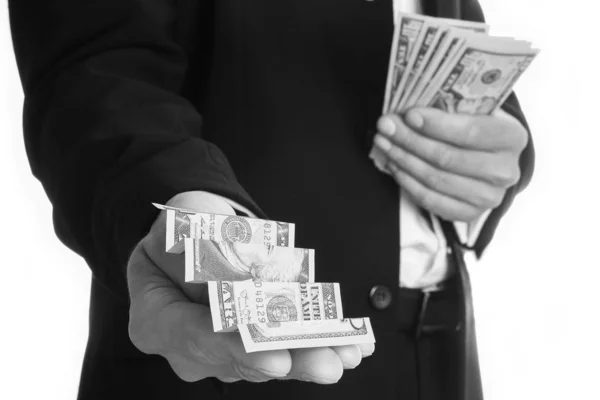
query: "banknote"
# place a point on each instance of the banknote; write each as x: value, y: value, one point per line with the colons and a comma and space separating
x: 432, y: 52
x: 480, y: 76
x: 293, y: 335
x: 183, y: 223
x: 420, y: 57
x: 419, y: 47
x: 449, y: 46
x: 237, y: 303
x: 407, y: 29
x: 209, y: 260
x: 408, y: 32
x: 427, y: 45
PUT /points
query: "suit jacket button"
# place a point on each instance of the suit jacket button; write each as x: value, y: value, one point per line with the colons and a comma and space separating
x: 381, y: 297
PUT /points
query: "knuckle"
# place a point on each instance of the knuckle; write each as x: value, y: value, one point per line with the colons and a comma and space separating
x: 395, y: 172
x: 228, y: 379
x: 497, y: 200
x: 202, y: 355
x: 488, y: 198
x: 473, y: 133
x: 443, y: 158
x: 410, y: 139
x: 505, y: 176
x: 248, y: 374
x: 516, y: 176
x: 435, y: 180
x: 139, y: 337
x: 187, y: 375
x: 471, y: 214
x: 425, y: 200
x: 396, y: 153
x: 462, y: 212
x: 467, y: 213
x: 184, y: 370
x: 481, y: 200
x: 521, y: 138
x: 448, y: 214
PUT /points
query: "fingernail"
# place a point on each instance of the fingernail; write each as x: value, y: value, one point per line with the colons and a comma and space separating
x: 386, y: 126
x: 382, y: 143
x: 309, y: 378
x: 272, y: 373
x: 349, y: 366
x: 251, y: 374
x: 414, y: 119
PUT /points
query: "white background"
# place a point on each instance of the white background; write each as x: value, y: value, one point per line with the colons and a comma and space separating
x: 536, y: 289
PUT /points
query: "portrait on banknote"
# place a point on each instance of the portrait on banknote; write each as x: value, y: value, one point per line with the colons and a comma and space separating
x: 235, y: 261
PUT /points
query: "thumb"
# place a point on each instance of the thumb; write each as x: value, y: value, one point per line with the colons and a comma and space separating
x: 164, y: 322
x: 173, y: 265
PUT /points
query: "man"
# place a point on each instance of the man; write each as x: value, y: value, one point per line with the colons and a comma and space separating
x: 130, y: 102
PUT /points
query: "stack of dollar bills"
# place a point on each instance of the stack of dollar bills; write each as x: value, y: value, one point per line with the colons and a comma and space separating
x: 451, y: 65
x: 259, y: 284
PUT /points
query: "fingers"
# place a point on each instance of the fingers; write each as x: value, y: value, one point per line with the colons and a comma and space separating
x: 475, y: 192
x: 228, y: 379
x: 193, y: 366
x: 439, y: 204
x: 366, y: 349
x: 261, y: 365
x: 319, y: 365
x: 188, y: 369
x: 350, y: 356
x: 223, y: 354
x: 476, y: 132
x: 499, y: 169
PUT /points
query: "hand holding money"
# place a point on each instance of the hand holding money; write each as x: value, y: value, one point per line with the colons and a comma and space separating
x: 171, y: 318
x: 443, y: 136
x: 454, y: 165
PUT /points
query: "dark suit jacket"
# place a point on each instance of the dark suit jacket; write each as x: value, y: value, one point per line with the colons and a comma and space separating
x: 129, y: 102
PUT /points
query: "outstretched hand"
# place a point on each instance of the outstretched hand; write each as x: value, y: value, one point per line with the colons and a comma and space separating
x: 171, y: 318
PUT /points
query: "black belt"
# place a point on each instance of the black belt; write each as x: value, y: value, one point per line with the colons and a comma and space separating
x: 425, y: 312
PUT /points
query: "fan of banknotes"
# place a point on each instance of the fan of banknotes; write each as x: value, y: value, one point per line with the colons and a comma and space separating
x: 452, y: 65
x: 259, y: 284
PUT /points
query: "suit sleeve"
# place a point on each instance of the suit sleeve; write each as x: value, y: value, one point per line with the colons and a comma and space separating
x: 471, y: 10
x: 106, y: 129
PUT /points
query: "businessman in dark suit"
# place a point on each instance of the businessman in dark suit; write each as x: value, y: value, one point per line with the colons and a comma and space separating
x: 129, y: 102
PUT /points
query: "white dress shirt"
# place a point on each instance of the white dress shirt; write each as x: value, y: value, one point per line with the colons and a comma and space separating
x: 423, y: 249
